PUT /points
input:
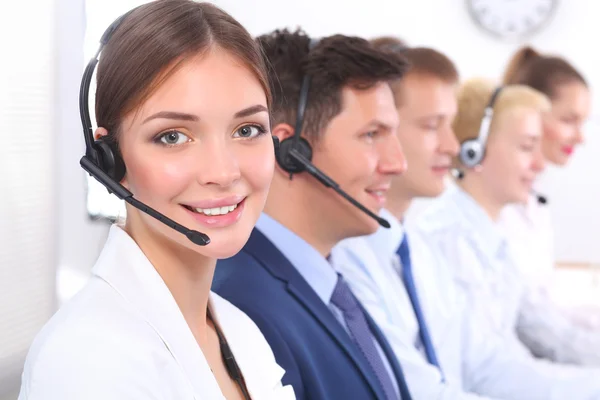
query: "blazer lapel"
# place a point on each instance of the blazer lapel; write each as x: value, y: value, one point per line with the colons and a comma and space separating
x: 280, y: 267
x: 126, y: 269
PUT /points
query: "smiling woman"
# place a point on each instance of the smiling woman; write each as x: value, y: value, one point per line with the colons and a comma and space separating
x: 512, y: 156
x: 182, y: 108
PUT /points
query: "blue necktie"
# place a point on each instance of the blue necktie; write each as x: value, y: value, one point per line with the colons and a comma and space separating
x: 409, y: 282
x: 359, y: 329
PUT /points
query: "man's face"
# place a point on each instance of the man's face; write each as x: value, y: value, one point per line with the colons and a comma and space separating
x: 426, y: 107
x: 360, y: 150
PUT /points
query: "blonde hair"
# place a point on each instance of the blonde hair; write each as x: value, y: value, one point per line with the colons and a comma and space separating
x: 474, y: 96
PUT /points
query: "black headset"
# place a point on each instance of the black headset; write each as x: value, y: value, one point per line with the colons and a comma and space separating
x: 102, y: 153
x: 297, y: 143
x: 102, y: 159
x: 472, y: 151
x: 295, y: 153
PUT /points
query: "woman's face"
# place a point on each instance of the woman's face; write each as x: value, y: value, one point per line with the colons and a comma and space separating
x: 563, y: 126
x: 514, y: 157
x: 199, y: 150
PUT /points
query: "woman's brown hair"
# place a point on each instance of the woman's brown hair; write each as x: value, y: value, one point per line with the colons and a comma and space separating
x: 153, y: 41
x: 541, y: 72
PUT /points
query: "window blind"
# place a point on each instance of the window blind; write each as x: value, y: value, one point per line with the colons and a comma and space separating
x: 27, y: 205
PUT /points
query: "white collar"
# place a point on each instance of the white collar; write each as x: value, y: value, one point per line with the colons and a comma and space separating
x: 387, y: 240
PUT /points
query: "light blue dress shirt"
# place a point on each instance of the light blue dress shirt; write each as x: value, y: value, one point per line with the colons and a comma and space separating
x: 466, y: 330
x: 316, y: 270
x: 373, y: 270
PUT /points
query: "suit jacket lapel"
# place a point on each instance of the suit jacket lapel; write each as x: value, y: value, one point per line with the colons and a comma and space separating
x: 280, y: 267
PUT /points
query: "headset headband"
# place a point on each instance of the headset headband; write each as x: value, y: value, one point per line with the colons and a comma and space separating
x: 84, y: 89
x: 486, y: 121
x: 303, y: 99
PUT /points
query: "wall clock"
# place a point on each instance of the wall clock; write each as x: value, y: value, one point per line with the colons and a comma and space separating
x: 512, y: 19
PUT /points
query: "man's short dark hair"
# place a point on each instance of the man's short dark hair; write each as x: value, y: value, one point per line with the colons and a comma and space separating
x: 335, y: 62
x: 422, y: 60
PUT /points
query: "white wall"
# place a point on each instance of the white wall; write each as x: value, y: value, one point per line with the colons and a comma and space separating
x: 446, y: 25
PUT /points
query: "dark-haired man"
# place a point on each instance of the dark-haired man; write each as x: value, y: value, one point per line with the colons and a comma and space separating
x: 283, y: 279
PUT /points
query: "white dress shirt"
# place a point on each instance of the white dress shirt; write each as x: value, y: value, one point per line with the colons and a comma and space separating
x: 124, y: 337
x: 474, y: 357
x: 547, y: 329
x: 529, y: 230
x: 486, y: 271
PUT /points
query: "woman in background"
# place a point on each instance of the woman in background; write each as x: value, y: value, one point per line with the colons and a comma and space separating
x: 467, y: 231
x: 548, y: 331
x: 182, y: 97
x: 570, y: 98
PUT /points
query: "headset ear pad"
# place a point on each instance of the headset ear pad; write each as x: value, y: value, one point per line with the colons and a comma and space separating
x: 286, y: 161
x: 275, y: 145
x: 110, y: 159
x: 471, y: 153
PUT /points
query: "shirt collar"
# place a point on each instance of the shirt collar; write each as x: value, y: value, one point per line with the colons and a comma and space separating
x: 387, y: 240
x: 487, y: 233
x: 314, y: 268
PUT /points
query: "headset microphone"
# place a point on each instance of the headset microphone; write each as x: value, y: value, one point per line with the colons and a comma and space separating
x: 457, y: 173
x: 541, y: 199
x: 294, y: 154
x: 122, y: 193
x: 330, y: 183
x: 102, y: 159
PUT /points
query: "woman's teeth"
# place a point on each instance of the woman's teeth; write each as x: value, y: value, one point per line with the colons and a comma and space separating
x: 216, y: 211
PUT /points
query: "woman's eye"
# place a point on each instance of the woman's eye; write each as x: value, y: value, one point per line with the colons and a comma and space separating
x: 249, y: 131
x: 172, y: 138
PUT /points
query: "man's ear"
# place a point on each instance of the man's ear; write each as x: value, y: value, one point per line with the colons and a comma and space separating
x: 99, y: 133
x: 282, y: 131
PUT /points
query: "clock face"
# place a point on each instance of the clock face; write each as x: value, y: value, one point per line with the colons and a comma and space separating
x: 511, y: 18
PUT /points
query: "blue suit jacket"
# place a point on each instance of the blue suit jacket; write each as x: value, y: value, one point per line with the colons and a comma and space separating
x: 320, y: 359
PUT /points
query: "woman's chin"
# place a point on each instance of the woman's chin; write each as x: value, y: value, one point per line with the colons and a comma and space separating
x: 222, y: 245
x: 221, y: 252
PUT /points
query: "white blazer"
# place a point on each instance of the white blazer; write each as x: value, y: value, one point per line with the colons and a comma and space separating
x: 124, y: 337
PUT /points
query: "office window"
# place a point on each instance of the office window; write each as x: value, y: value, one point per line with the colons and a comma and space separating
x: 99, y: 15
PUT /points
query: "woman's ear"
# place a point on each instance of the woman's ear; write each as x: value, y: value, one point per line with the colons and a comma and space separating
x: 99, y: 133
